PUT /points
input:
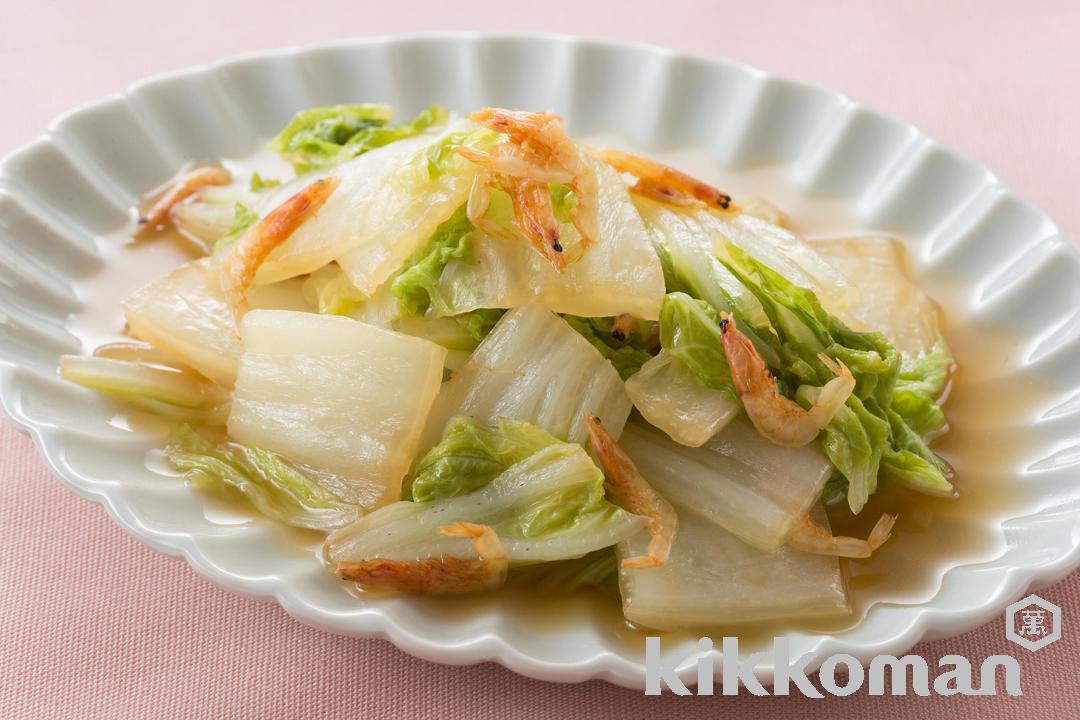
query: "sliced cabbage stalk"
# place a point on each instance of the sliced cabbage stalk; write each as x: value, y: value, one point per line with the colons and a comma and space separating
x: 738, y: 479
x: 671, y: 398
x: 335, y: 394
x: 139, y: 376
x: 619, y: 274
x: 388, y: 204
x: 897, y: 307
x: 275, y: 487
x: 185, y: 314
x: 713, y: 578
x: 533, y: 367
x: 548, y: 506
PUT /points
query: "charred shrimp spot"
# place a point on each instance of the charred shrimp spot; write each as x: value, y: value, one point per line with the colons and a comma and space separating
x: 621, y: 326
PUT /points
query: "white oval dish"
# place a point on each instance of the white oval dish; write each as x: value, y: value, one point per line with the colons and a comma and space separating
x: 1004, y: 262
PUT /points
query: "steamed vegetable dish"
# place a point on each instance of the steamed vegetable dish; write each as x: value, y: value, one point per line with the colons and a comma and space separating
x: 474, y: 351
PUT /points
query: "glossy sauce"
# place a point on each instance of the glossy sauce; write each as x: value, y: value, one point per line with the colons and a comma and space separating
x: 931, y: 534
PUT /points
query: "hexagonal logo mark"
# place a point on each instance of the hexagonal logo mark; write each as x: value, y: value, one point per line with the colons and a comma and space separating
x: 1033, y: 623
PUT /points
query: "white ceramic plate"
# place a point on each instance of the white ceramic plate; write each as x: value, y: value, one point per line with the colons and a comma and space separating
x: 1011, y: 284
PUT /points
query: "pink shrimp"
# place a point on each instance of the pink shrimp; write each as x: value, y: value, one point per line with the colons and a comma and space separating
x: 809, y: 537
x: 634, y: 493
x: 663, y: 182
x: 249, y: 252
x: 776, y: 417
x: 537, y: 153
x: 184, y: 188
x: 437, y: 575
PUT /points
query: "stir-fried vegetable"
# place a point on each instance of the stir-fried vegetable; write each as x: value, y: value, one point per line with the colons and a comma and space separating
x: 277, y: 488
x: 304, y: 361
x: 547, y: 506
x: 389, y: 203
x: 866, y: 434
x: 338, y: 395
x: 626, y: 348
x: 215, y: 212
x: 619, y: 274
x: 324, y: 136
x: 687, y: 389
x: 150, y: 380
x: 470, y: 455
x: 417, y: 285
x: 185, y: 314
x: 713, y: 578
x: 533, y: 367
x: 738, y: 479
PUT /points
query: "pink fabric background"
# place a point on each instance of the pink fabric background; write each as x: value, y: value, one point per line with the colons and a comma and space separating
x: 94, y: 625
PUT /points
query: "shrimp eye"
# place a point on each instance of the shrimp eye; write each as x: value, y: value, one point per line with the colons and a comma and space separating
x: 618, y: 335
x: 723, y: 325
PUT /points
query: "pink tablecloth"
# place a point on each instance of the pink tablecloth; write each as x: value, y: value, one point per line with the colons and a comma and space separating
x: 94, y: 625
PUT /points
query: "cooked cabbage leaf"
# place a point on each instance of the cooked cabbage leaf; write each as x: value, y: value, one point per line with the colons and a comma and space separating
x: 686, y: 390
x: 331, y: 291
x: 417, y: 285
x: 479, y: 323
x: 387, y: 206
x: 738, y: 479
x: 186, y: 315
x: 860, y: 434
x: 599, y: 569
x: 157, y: 386
x: 533, y: 367
x: 212, y: 212
x: 323, y: 136
x: 547, y: 506
x: 470, y: 455
x: 619, y: 274
x: 340, y: 396
x: 277, y: 488
x: 628, y: 354
x: 713, y: 578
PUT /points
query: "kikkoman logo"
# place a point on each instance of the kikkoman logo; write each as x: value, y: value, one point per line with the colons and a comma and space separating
x: 1032, y: 623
